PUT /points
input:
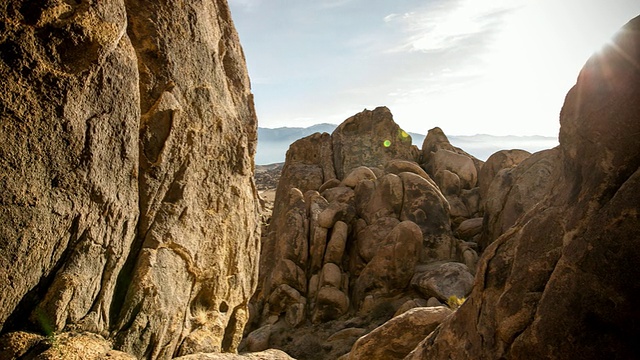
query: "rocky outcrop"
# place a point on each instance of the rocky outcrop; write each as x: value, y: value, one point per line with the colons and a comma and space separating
x: 455, y: 172
x: 515, y: 191
x: 562, y: 280
x: 370, y: 138
x: 128, y: 206
x: 343, y: 247
x: 503, y: 159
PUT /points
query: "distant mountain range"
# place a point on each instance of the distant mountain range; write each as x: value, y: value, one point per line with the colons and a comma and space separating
x: 274, y: 143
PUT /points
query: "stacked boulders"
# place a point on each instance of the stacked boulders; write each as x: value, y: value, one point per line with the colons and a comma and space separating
x: 360, y: 231
x: 366, y: 227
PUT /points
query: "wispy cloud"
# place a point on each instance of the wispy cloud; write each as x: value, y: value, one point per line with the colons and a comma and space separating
x: 446, y: 24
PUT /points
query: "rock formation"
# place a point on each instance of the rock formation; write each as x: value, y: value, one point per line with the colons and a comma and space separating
x: 126, y: 163
x: 355, y: 221
x: 563, y: 280
x: 516, y: 190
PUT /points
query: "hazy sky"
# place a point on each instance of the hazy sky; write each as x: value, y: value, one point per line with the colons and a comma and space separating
x: 499, y: 67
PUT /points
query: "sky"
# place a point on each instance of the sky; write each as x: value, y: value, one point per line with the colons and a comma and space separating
x: 499, y: 67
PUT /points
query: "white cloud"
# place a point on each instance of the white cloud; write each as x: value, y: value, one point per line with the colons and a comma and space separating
x: 390, y: 17
x: 445, y: 25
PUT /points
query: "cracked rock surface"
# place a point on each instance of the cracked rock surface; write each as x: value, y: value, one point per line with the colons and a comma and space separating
x: 128, y: 207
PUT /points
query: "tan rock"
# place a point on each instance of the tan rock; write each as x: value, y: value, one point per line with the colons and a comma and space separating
x: 399, y: 166
x: 335, y: 212
x: 461, y: 165
x: 270, y: 354
x: 448, y: 182
x: 370, y: 238
x: 471, y: 199
x: 15, y: 345
x: 421, y: 198
x: 393, y: 265
x: 69, y: 202
x: 67, y: 345
x: 331, y: 303
x: 385, y: 200
x: 318, y: 247
x: 196, y: 193
x: 331, y: 276
x: 337, y: 243
x: 442, y: 280
x: 502, y: 159
x: 356, y: 175
x: 433, y: 302
x: 317, y: 234
x: 515, y: 191
x: 397, y: 337
x: 436, y: 140
x: 370, y: 138
x: 410, y: 304
x: 329, y: 184
x: 469, y: 228
x: 347, y: 334
x: 342, y: 194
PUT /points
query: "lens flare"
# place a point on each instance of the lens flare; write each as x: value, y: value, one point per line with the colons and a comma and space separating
x: 386, y: 143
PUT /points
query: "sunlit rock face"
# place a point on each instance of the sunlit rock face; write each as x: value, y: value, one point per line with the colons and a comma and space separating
x: 563, y: 281
x: 126, y: 162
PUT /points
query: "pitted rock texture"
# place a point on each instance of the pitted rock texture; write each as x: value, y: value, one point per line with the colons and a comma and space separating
x: 562, y: 280
x: 126, y: 163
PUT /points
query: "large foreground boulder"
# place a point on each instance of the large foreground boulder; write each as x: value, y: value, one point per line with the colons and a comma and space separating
x: 562, y: 282
x: 126, y: 162
x: 392, y: 340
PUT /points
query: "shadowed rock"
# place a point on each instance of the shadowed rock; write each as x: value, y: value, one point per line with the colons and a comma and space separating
x: 562, y: 280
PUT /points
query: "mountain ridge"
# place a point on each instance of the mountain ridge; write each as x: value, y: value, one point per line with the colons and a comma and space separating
x: 273, y: 143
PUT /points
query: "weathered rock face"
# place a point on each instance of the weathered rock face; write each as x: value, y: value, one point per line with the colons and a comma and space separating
x: 502, y: 159
x: 370, y: 138
x: 128, y: 208
x: 68, y: 161
x: 562, y: 280
x: 514, y: 191
x: 392, y: 340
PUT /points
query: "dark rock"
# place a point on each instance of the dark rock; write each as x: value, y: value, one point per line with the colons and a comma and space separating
x: 563, y: 280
